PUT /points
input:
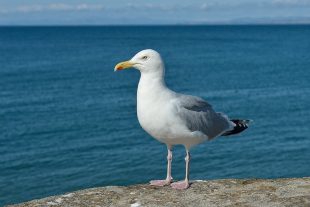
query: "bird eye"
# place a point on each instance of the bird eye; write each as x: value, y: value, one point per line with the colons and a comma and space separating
x: 144, y: 57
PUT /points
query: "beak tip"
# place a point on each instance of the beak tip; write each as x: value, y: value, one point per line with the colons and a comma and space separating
x: 123, y: 65
x: 117, y: 67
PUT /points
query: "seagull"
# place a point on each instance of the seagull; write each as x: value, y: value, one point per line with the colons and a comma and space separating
x: 174, y: 118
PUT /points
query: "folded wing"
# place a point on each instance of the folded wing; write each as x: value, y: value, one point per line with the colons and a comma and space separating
x: 198, y: 115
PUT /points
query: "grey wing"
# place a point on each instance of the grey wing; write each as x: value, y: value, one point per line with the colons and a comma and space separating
x: 198, y: 115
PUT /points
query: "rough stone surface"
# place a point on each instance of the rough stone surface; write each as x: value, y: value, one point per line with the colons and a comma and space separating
x: 230, y: 192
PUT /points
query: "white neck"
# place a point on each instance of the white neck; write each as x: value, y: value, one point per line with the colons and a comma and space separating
x: 152, y: 82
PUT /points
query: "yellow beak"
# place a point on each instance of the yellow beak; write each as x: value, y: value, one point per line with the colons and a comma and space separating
x: 123, y: 65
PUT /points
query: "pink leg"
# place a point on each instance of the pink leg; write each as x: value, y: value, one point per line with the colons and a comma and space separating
x: 182, y: 185
x: 168, y: 179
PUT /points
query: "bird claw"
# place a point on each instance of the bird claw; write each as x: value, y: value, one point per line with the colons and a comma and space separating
x: 181, y: 185
x: 160, y: 182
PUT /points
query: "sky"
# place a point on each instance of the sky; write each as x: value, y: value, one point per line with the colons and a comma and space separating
x: 145, y: 12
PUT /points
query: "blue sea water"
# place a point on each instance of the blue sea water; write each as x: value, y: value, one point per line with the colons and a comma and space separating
x: 68, y: 122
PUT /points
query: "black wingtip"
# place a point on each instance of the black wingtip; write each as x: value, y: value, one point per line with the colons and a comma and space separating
x: 241, y: 125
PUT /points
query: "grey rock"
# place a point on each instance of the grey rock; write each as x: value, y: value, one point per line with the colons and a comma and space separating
x: 229, y: 192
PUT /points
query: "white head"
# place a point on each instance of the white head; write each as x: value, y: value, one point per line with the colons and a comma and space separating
x: 146, y: 61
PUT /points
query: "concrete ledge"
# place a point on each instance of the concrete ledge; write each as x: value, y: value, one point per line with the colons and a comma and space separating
x: 230, y: 192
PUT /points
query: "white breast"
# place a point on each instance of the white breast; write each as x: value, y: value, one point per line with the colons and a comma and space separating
x: 151, y: 110
x: 156, y: 112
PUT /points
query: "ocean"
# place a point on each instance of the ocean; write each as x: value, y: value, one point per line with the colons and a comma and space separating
x: 68, y: 122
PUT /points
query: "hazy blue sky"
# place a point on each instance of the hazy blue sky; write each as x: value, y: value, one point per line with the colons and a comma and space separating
x: 46, y: 12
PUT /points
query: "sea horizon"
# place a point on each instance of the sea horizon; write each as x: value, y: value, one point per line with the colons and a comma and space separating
x: 158, y: 25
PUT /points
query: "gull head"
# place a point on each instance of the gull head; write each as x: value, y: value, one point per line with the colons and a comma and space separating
x: 146, y: 61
